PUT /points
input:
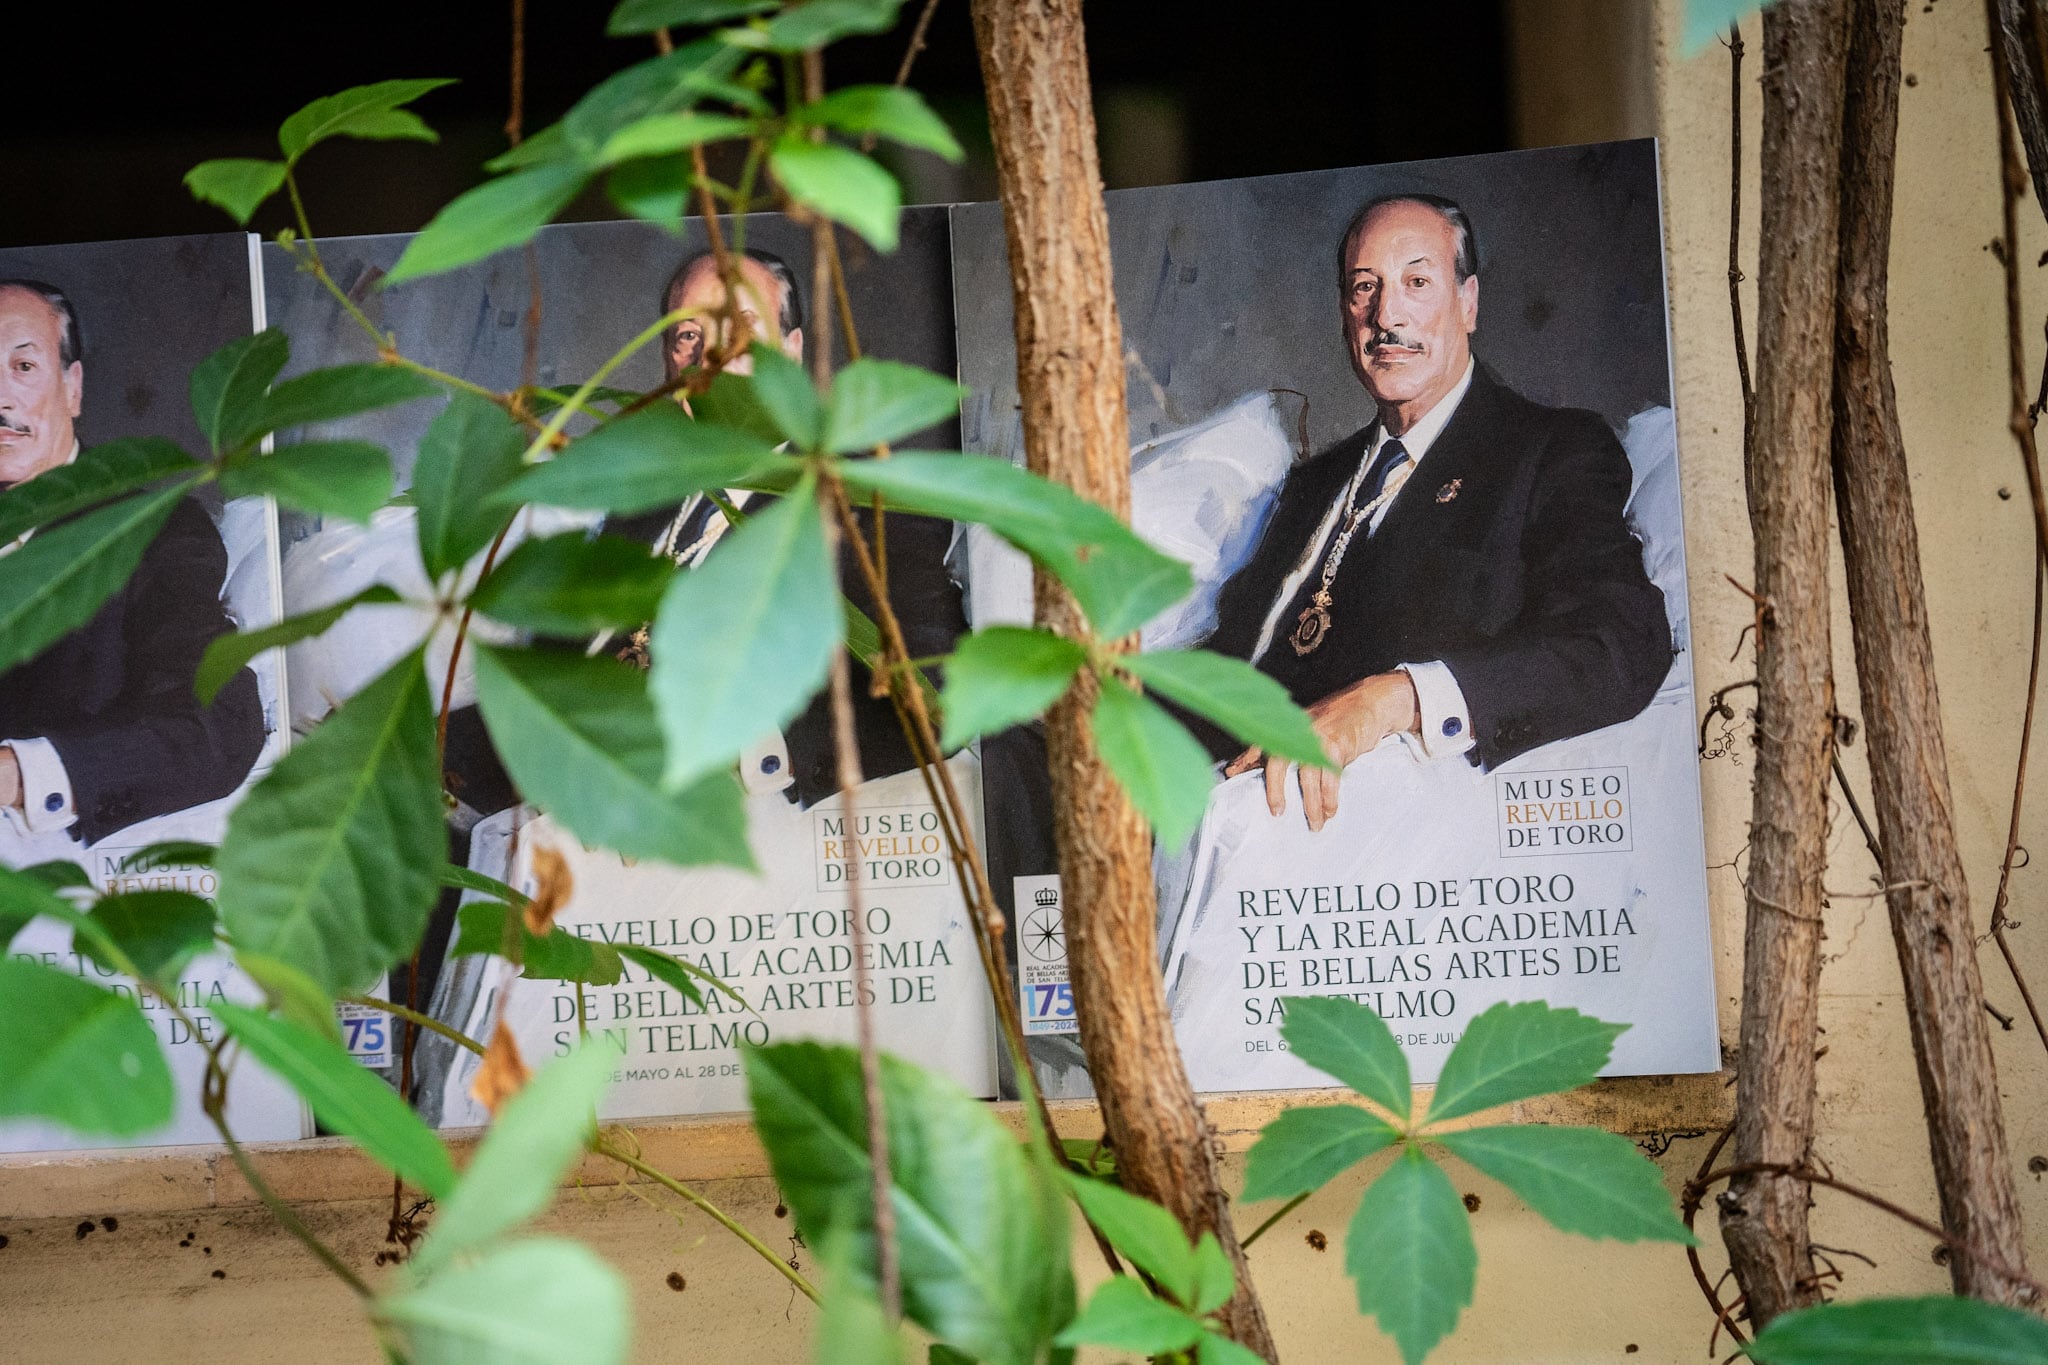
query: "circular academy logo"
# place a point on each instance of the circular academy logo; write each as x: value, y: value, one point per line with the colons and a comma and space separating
x: 1044, y: 936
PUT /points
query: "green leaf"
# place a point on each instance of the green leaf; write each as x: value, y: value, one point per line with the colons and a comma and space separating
x: 645, y: 16
x: 549, y: 144
x: 672, y: 972
x: 839, y: 183
x: 100, y: 472
x: 655, y: 458
x: 292, y: 994
x: 1582, y: 1180
x: 496, y: 215
x: 676, y: 972
x: 29, y: 894
x: 1215, y: 1277
x: 1162, y: 768
x: 471, y: 451
x: 1141, y: 1230
x: 366, y: 111
x: 158, y: 931
x: 1236, y: 696
x: 877, y: 401
x: 982, y: 1239
x: 538, y: 1134
x: 61, y: 876
x: 238, y: 184
x: 732, y: 402
x: 538, y: 1301
x: 580, y: 739
x: 664, y: 84
x: 1118, y: 580
x: 562, y: 956
x: 462, y: 877
x: 546, y: 400
x: 575, y: 585
x: 1513, y: 1051
x: 329, y: 862
x: 346, y: 479
x: 495, y: 929
x: 60, y: 579
x: 1004, y: 676
x: 655, y: 189
x: 1124, y: 1317
x: 329, y: 395
x: 1934, y: 1330
x: 893, y: 111
x: 785, y: 393
x: 665, y: 134
x: 1410, y: 1250
x: 852, y: 1329
x: 1091, y: 1157
x: 1353, y: 1044
x: 77, y: 1054
x: 227, y: 655
x: 345, y: 1096
x: 1304, y: 1149
x: 229, y: 385
x: 1221, y: 1350
x: 743, y: 640
x: 818, y: 22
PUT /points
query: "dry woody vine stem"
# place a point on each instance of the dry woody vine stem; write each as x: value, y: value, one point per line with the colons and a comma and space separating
x: 2019, y: 73
x: 1764, y: 1214
x: 1921, y: 861
x: 1070, y: 377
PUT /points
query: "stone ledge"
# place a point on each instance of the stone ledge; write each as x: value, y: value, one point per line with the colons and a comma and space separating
x: 320, y: 1170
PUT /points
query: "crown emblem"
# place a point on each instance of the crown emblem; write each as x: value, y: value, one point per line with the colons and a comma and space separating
x: 1045, y: 896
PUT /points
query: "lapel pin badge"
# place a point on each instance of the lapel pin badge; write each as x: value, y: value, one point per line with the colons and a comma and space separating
x: 1449, y: 490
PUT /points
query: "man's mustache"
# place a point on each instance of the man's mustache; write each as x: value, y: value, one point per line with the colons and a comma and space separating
x: 9, y: 424
x: 1386, y: 337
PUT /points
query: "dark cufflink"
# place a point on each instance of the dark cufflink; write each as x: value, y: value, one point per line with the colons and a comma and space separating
x: 771, y: 764
x: 1452, y: 726
x: 54, y: 802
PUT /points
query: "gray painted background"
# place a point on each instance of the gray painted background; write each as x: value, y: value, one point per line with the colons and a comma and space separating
x: 1230, y: 287
x: 600, y: 284
x: 149, y: 311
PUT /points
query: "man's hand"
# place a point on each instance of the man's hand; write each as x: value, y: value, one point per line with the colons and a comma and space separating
x: 1350, y: 723
x: 10, y: 779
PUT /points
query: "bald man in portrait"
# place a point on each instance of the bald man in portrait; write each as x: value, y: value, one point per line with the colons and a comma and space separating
x: 103, y: 730
x: 1459, y: 573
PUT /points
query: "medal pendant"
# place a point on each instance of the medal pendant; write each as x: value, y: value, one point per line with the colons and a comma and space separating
x: 1309, y: 629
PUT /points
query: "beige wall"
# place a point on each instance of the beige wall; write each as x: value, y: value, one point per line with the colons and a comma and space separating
x: 1542, y: 1296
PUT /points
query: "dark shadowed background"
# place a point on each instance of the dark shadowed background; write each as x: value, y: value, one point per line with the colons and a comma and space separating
x: 111, y: 109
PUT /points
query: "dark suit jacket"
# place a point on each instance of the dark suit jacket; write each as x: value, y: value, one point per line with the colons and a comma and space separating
x: 1506, y: 557
x: 115, y: 696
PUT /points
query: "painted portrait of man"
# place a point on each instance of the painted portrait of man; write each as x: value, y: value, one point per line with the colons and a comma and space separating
x: 1411, y: 427
x: 1459, y: 571
x: 102, y: 730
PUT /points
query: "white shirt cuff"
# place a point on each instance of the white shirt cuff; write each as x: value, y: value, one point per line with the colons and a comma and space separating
x: 1446, y: 724
x: 764, y: 767
x: 45, y: 786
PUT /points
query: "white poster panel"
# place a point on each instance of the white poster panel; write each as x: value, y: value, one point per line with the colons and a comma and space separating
x: 782, y: 940
x: 1411, y: 427
x: 115, y: 754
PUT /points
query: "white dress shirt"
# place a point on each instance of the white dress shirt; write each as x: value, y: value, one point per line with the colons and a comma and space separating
x: 1446, y: 723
